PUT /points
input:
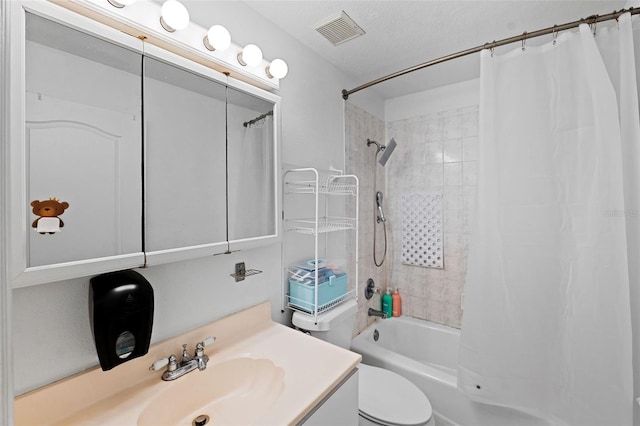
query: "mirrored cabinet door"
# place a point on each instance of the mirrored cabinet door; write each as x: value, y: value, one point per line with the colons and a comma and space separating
x: 185, y: 159
x: 252, y: 173
x: 83, y: 145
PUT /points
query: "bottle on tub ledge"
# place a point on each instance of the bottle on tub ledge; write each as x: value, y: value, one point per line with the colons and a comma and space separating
x: 396, y: 302
x: 387, y: 302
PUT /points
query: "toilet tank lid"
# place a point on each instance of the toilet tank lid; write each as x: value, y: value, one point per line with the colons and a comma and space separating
x: 326, y: 320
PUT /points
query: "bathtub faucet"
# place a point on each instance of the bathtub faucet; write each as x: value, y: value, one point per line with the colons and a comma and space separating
x: 376, y: 313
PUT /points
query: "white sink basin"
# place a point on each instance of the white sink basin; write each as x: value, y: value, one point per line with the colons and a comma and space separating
x: 234, y: 392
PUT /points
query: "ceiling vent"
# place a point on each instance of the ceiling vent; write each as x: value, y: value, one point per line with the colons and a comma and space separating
x: 338, y: 29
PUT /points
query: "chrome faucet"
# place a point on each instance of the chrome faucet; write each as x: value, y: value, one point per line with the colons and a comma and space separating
x: 187, y: 364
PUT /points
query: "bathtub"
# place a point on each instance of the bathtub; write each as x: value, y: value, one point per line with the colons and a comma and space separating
x: 426, y: 353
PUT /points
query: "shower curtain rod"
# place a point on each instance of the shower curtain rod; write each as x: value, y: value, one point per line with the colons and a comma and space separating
x: 591, y: 20
x: 258, y: 118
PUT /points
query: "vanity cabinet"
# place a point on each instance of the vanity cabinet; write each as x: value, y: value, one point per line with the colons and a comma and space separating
x: 127, y: 155
x: 340, y: 408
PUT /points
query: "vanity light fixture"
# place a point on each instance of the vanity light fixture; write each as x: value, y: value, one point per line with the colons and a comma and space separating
x: 186, y: 38
x: 217, y: 38
x: 121, y: 3
x: 277, y: 69
x: 173, y: 16
x: 251, y: 55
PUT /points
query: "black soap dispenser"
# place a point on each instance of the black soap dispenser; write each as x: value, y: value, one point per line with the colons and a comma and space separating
x: 121, y: 311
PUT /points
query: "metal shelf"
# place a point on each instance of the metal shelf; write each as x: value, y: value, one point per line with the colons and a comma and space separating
x: 334, y: 187
x: 294, y: 304
x: 317, y: 183
x: 324, y: 225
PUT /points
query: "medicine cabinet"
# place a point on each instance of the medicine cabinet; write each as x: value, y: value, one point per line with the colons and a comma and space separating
x: 125, y: 155
x: 210, y: 161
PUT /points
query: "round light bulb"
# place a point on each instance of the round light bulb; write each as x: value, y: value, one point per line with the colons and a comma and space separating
x: 277, y: 68
x: 174, y: 16
x: 217, y: 38
x: 251, y: 55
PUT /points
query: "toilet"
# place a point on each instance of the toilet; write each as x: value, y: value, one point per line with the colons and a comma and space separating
x: 384, y: 397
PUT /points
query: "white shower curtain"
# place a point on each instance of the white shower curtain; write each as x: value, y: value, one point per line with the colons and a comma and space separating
x: 546, y: 326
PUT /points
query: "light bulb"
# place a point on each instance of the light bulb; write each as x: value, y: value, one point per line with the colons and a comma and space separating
x: 121, y: 3
x: 217, y: 38
x: 174, y: 16
x: 277, y: 68
x: 251, y: 55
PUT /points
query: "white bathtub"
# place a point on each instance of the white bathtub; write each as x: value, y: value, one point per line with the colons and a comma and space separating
x: 427, y: 353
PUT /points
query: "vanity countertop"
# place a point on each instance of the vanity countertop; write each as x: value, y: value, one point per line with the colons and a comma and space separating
x: 309, y: 369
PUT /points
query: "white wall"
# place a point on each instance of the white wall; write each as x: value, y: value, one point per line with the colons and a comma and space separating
x: 432, y: 101
x: 51, y: 331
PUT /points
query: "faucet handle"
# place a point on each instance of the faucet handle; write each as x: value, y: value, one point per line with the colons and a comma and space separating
x: 171, y: 361
x: 159, y: 364
x: 201, y: 345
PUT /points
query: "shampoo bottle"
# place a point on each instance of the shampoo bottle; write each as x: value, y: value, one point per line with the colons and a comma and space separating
x: 396, y: 303
x: 387, y: 302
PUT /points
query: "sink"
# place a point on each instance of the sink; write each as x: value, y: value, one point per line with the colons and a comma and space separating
x: 233, y: 392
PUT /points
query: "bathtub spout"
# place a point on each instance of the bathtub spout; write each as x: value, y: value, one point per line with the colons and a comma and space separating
x: 375, y: 313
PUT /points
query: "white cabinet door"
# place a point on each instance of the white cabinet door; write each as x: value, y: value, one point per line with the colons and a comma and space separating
x: 185, y: 168
x: 77, y: 184
x: 90, y: 159
x: 340, y: 409
x: 253, y: 180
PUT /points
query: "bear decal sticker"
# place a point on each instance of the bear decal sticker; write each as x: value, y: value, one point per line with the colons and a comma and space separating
x: 48, y: 212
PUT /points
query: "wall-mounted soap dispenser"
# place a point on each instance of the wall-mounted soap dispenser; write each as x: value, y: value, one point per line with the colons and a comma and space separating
x: 121, y: 311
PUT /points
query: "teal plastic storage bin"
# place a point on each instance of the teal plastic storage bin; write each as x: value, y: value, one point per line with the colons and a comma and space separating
x: 302, y: 294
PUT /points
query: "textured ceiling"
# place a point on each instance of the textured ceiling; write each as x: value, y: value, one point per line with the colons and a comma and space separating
x: 401, y: 34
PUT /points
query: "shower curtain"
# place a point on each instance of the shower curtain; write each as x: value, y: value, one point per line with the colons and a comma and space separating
x: 546, y: 326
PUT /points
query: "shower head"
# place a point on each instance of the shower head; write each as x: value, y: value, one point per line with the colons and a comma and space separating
x: 387, y: 151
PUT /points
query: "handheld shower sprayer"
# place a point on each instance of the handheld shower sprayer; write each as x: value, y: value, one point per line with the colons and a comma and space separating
x: 386, y: 151
x: 381, y: 217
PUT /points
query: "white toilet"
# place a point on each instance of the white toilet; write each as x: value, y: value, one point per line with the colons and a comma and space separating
x: 385, y: 398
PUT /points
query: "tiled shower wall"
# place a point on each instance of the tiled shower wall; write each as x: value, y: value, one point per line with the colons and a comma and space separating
x: 361, y: 161
x: 436, y: 153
